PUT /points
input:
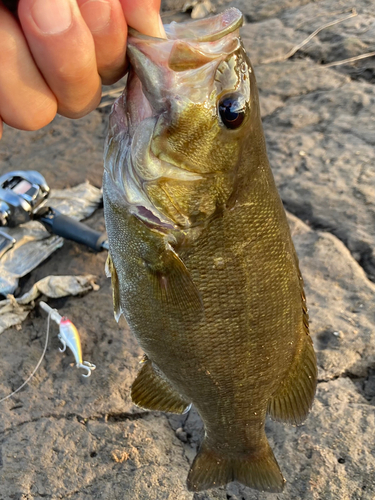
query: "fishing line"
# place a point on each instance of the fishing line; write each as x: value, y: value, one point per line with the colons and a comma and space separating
x: 37, y: 366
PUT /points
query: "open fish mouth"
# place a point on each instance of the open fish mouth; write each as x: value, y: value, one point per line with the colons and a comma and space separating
x: 166, y: 76
x: 184, y: 63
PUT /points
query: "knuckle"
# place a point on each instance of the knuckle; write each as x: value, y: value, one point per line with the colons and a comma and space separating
x: 76, y: 86
x: 112, y: 70
x: 29, y: 117
x: 69, y: 74
x: 77, y: 106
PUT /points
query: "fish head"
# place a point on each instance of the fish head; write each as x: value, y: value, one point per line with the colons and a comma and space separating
x: 178, y: 133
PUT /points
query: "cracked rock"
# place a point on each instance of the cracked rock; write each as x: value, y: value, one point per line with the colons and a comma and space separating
x: 69, y: 459
x: 321, y: 147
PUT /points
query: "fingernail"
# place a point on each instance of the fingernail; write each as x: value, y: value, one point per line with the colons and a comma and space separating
x: 96, y: 13
x: 52, y: 16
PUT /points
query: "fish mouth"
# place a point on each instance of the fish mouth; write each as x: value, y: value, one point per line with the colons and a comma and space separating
x: 129, y: 159
x: 160, y: 78
x: 190, y: 53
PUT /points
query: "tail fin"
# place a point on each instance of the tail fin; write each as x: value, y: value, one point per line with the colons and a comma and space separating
x: 259, y: 470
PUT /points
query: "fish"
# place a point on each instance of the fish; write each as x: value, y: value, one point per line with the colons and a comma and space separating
x: 201, y: 258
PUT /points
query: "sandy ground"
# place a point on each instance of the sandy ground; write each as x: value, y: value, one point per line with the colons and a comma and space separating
x: 64, y: 436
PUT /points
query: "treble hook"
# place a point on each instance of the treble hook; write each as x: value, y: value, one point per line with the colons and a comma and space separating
x: 86, y: 365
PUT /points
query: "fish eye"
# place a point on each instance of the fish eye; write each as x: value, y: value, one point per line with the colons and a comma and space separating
x: 232, y: 112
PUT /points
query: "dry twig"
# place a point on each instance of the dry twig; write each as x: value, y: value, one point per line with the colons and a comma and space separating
x: 322, y: 14
x: 350, y: 60
x: 296, y: 48
x: 104, y: 104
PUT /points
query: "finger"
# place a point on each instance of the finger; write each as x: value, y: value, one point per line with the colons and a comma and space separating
x: 106, y: 22
x: 1, y: 128
x: 64, y: 52
x: 26, y: 102
x: 143, y: 15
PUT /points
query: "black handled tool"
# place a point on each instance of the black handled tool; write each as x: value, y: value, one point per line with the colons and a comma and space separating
x: 71, y: 229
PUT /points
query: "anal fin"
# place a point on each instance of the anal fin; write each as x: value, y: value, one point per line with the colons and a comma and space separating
x: 294, y: 399
x: 258, y: 470
x: 152, y: 392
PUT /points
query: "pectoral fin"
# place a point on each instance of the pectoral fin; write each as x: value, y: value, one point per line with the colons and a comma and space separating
x: 294, y: 398
x: 110, y: 271
x: 173, y: 285
x: 152, y: 391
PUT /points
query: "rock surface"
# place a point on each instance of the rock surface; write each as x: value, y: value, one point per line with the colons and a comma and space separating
x: 68, y: 437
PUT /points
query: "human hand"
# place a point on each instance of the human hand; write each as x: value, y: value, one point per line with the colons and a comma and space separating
x: 56, y: 57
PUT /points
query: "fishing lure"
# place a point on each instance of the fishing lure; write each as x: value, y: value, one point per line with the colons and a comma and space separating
x: 69, y: 337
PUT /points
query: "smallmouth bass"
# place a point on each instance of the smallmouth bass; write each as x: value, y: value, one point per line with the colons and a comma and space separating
x: 201, y: 258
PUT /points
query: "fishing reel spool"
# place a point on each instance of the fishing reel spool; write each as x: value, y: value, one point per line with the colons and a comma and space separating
x: 21, y: 193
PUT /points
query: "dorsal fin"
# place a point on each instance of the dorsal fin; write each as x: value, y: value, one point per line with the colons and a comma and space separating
x: 295, y: 396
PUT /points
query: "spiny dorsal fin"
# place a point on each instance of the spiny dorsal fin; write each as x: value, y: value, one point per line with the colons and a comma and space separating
x: 173, y: 285
x: 259, y: 470
x: 110, y: 272
x: 152, y: 391
x: 294, y: 398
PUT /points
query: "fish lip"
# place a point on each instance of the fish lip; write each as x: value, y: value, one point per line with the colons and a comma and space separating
x: 151, y: 75
x: 227, y: 21
x: 195, y: 44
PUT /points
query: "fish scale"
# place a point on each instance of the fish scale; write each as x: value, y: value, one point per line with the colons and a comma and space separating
x: 211, y: 288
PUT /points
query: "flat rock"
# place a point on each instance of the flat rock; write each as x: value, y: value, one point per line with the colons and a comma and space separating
x: 343, y: 40
x: 67, y: 456
x: 321, y: 134
x: 321, y: 148
x: 259, y: 10
x: 50, y: 150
